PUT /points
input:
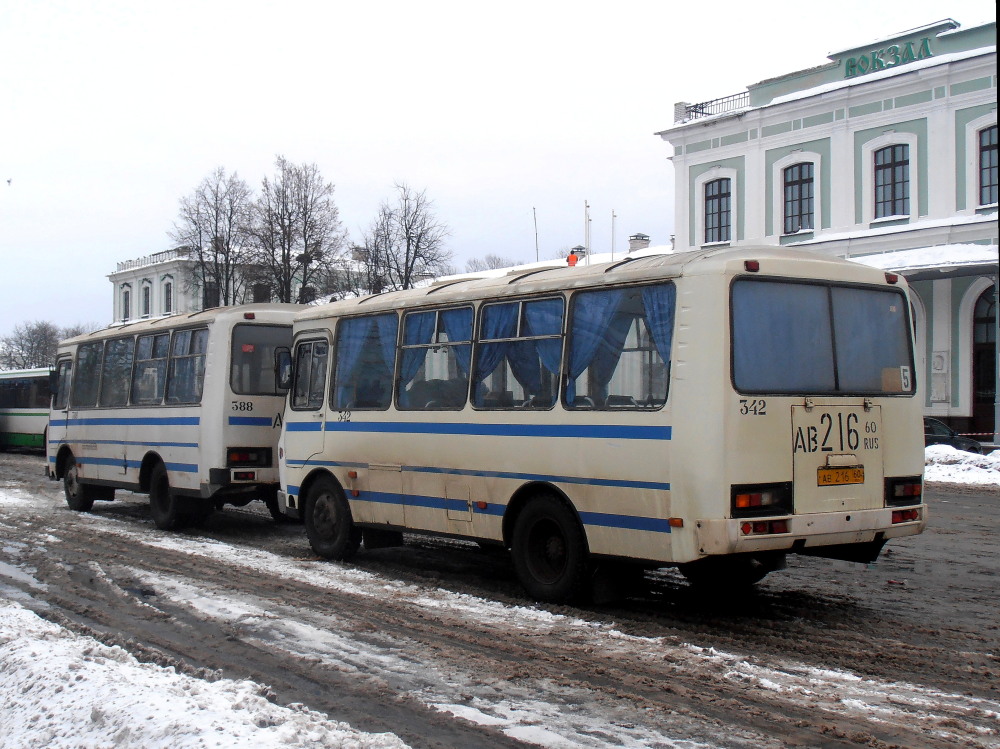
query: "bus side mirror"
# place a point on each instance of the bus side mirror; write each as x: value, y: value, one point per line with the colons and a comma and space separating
x: 283, y: 368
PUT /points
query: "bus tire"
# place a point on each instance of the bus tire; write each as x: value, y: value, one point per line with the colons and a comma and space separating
x: 80, y: 497
x: 329, y: 525
x: 167, y: 508
x: 549, y: 551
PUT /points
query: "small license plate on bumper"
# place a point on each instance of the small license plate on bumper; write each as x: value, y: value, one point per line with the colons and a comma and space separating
x: 840, y: 476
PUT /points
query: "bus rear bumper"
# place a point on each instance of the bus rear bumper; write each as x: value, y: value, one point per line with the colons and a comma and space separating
x: 740, y: 535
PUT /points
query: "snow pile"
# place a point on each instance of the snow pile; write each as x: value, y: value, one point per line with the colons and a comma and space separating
x: 946, y: 464
x: 59, y: 689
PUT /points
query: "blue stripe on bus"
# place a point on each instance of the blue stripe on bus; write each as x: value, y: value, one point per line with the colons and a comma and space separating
x: 118, y: 421
x: 554, y: 478
x: 250, y: 421
x: 117, y: 462
x: 589, y: 431
x: 595, y: 519
x: 304, y: 426
x: 129, y: 443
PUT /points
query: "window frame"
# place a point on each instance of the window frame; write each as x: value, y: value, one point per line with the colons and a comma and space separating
x: 884, y: 177
x: 725, y: 208
x: 981, y: 151
x: 327, y: 378
x: 435, y: 343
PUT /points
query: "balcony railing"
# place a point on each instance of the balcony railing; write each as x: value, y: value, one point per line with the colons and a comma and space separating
x: 158, y: 257
x: 715, y: 106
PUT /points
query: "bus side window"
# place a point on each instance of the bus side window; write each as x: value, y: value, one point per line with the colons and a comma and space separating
x: 619, y: 348
x: 309, y: 375
x: 87, y: 377
x: 519, y: 354
x: 435, y: 358
x: 149, y: 377
x: 365, y: 354
x: 116, y: 372
x: 187, y: 366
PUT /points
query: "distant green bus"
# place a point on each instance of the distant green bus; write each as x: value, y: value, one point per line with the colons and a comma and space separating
x: 24, y: 408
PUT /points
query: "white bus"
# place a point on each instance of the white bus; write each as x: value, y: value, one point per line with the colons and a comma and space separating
x: 24, y: 407
x: 186, y: 408
x: 714, y: 410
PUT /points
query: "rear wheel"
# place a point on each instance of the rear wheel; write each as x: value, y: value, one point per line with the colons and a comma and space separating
x: 329, y: 525
x: 549, y: 550
x: 167, y: 508
x: 79, y: 497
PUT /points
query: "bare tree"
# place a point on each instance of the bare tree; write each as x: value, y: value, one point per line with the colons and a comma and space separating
x: 489, y: 262
x: 214, y: 223
x: 33, y: 344
x: 405, y: 242
x: 297, y: 232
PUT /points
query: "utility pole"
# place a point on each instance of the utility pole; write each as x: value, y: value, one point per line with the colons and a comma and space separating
x: 613, y: 217
x: 534, y: 213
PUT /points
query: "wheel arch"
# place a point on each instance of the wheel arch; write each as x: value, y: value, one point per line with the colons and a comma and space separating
x: 62, y: 458
x: 149, y: 461
x: 524, y: 494
x: 315, y: 475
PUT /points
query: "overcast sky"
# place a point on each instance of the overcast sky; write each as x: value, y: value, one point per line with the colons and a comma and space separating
x: 110, y: 112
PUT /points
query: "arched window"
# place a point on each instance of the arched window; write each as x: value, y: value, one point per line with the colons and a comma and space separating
x: 167, y: 286
x: 892, y: 181
x: 984, y: 360
x: 718, y: 210
x: 146, y: 299
x: 126, y: 302
x: 798, y: 193
x: 988, y: 166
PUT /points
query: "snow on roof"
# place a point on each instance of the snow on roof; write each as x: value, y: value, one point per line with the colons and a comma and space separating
x: 592, y: 259
x: 938, y: 256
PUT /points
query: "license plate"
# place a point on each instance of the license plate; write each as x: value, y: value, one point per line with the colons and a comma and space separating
x: 840, y: 476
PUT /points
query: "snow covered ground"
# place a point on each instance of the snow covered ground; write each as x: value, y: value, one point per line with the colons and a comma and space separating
x: 59, y: 689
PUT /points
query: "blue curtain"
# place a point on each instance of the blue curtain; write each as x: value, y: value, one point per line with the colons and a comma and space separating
x: 592, y: 314
x: 418, y: 330
x: 660, y: 304
x: 545, y: 318
x: 388, y: 329
x: 351, y: 337
x: 458, y: 326
x: 499, y: 321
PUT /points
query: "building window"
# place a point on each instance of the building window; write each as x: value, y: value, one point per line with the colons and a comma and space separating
x: 799, y: 196
x: 988, y: 166
x: 211, y: 295
x: 718, y: 210
x: 892, y: 181
x: 126, y: 303
x: 168, y: 297
x: 146, y: 302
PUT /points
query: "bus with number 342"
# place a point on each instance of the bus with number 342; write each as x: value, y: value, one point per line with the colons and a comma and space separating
x: 714, y: 410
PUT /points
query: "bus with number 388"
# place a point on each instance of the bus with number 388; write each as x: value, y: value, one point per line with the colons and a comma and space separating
x: 186, y: 408
x: 714, y: 410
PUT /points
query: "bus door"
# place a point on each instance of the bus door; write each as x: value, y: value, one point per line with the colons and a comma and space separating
x: 59, y: 416
x: 305, y: 434
x: 837, y: 459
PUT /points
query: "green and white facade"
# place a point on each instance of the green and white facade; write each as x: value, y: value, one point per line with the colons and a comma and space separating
x: 886, y: 154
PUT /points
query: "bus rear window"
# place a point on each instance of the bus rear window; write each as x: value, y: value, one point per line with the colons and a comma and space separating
x: 252, y: 370
x: 812, y: 338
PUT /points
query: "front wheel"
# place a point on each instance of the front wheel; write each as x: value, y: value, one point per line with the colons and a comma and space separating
x: 550, y: 552
x: 329, y: 525
x: 79, y: 497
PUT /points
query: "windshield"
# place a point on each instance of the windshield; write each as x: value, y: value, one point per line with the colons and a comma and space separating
x: 791, y: 337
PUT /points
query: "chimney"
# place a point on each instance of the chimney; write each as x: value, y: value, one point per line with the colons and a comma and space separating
x: 638, y: 242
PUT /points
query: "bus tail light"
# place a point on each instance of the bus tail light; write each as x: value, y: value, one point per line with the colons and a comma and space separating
x: 763, y: 527
x: 244, y: 475
x: 905, y: 516
x: 891, y: 278
x: 908, y: 490
x: 749, y: 500
x: 242, y: 457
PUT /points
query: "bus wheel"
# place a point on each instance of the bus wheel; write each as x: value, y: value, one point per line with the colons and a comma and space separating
x: 79, y: 497
x: 550, y: 551
x: 167, y: 509
x: 329, y: 525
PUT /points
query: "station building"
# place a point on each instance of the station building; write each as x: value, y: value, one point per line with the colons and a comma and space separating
x: 886, y: 154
